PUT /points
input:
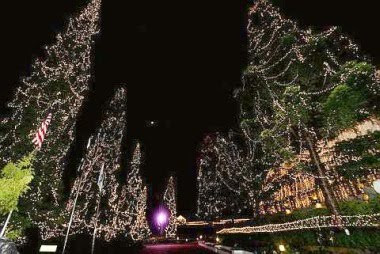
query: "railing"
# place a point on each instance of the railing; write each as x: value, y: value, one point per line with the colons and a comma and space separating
x: 331, y: 221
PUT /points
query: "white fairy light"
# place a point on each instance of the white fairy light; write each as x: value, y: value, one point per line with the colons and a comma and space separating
x: 58, y: 83
x: 317, y: 222
x: 170, y: 201
x: 136, y: 198
x: 282, y: 63
x: 103, y: 151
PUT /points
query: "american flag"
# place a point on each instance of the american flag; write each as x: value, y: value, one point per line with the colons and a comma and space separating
x: 40, y: 134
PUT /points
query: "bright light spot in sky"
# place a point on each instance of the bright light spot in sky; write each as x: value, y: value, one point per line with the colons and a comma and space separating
x: 151, y: 123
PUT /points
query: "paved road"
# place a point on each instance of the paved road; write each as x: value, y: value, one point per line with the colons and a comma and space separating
x: 188, y: 248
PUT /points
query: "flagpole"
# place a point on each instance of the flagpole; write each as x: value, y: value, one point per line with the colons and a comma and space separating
x: 75, y: 203
x: 71, y: 218
x: 100, y: 185
x: 96, y: 224
x: 6, y: 224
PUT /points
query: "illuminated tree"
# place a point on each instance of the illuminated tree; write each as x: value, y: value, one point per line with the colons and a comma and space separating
x: 359, y: 157
x: 95, y: 207
x: 226, y: 180
x: 289, y: 85
x: 58, y: 83
x: 210, y: 203
x: 300, y: 87
x: 170, y: 201
x: 136, y: 193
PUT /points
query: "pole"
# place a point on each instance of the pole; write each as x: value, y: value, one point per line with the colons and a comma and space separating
x: 71, y: 219
x: 6, y: 224
x: 93, y: 240
x: 73, y: 210
x: 96, y: 224
x: 100, y: 185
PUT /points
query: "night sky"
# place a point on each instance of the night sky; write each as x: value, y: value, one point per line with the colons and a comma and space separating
x: 180, y: 60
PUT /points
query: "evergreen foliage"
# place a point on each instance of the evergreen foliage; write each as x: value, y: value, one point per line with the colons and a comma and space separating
x: 170, y: 200
x: 58, y: 83
x: 300, y: 86
x: 360, y: 156
x: 14, y: 182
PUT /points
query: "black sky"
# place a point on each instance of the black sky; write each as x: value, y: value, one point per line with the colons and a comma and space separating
x: 180, y: 60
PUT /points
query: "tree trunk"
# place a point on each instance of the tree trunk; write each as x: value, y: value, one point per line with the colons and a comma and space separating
x: 330, y: 200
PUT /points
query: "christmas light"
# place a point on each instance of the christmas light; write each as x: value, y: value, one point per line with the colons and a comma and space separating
x: 136, y: 200
x: 290, y: 72
x: 103, y: 152
x: 58, y: 83
x: 170, y: 201
x: 311, y: 223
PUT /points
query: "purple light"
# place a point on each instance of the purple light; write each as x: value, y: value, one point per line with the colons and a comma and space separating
x: 161, y: 218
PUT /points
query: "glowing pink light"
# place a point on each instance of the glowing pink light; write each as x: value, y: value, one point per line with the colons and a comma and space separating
x: 161, y: 218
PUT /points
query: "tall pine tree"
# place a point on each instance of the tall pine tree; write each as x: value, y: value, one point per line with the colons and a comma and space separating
x: 300, y: 87
x: 170, y: 201
x: 136, y: 193
x: 228, y: 182
x: 291, y: 74
x: 96, y: 183
x: 58, y: 83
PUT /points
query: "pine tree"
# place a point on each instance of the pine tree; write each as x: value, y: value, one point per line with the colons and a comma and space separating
x: 210, y: 203
x: 58, y: 83
x: 300, y: 87
x: 170, y: 201
x: 136, y: 200
x: 290, y: 74
x: 95, y: 207
x: 225, y: 183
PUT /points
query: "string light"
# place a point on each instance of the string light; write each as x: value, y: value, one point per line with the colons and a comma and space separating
x: 311, y: 223
x: 225, y: 178
x: 136, y: 198
x: 103, y: 151
x: 58, y: 83
x: 290, y: 70
x: 170, y: 202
